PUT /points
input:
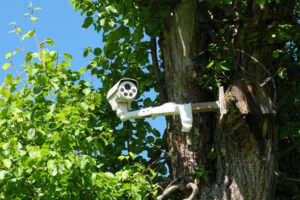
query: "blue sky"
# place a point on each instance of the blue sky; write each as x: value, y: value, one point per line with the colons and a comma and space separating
x: 58, y: 21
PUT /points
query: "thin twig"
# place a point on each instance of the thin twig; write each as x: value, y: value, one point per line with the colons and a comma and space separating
x: 20, y: 39
x: 157, y: 160
x: 292, y: 179
x: 287, y: 151
x: 262, y: 66
x: 33, y: 25
x: 17, y: 72
x: 157, y: 169
x: 157, y: 147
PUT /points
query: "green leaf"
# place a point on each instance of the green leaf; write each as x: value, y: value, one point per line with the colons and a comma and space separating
x: 94, y: 176
x: 97, y: 51
x: 16, y: 51
x: 37, y: 8
x: 34, y: 19
x: 29, y: 34
x: 8, y: 56
x: 111, y: 23
x: 50, y: 164
x: 9, y: 79
x: 282, y: 74
x: 141, y: 179
x: 87, y: 51
x: 111, y: 9
x: 210, y: 64
x: 28, y: 57
x: 2, y: 174
x: 122, y: 157
x: 109, y: 174
x: 68, y: 164
x: 6, y: 66
x: 68, y: 56
x: 225, y: 68
x: 66, y: 63
x: 87, y: 22
x: 19, y: 30
x: 84, y: 106
x: 102, y: 22
x: 34, y: 152
x: 5, y: 92
x: 49, y: 41
x: 52, y: 169
x: 125, y: 21
x: 86, y: 91
x: 82, y: 70
x: 7, y: 163
x: 132, y: 155
x: 31, y: 133
x: 153, y: 173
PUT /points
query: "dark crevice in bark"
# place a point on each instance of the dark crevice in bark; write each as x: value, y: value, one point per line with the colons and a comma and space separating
x: 159, y: 83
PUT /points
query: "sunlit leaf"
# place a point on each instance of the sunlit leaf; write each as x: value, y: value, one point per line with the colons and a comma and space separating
x: 6, y: 66
x: 68, y: 56
x: 29, y: 34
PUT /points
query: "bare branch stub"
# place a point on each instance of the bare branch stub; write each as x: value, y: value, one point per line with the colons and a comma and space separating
x: 195, y: 191
x: 169, y: 190
x: 173, y: 188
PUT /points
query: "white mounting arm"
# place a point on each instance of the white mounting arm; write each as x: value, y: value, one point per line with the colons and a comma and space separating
x: 185, y: 111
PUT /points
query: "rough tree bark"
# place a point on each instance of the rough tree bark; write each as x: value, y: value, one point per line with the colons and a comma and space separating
x: 244, y: 141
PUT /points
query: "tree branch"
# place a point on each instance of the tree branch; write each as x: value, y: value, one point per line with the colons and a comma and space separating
x: 169, y: 190
x: 292, y: 179
x: 287, y: 151
x: 195, y: 189
x: 155, y: 160
x: 157, y: 147
x: 159, y: 83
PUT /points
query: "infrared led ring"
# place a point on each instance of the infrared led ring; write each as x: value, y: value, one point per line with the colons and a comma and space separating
x: 128, y: 89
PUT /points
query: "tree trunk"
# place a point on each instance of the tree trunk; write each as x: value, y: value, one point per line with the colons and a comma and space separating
x: 180, y: 44
x: 244, y: 141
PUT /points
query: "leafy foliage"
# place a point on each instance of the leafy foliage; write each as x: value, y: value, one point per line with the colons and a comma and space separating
x: 58, y: 139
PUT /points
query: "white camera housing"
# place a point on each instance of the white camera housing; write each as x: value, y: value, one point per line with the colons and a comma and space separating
x: 122, y: 94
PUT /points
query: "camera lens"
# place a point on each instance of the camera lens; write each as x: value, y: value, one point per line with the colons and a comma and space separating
x: 125, y: 94
x: 122, y: 89
x: 133, y: 90
x: 130, y: 94
x: 127, y: 86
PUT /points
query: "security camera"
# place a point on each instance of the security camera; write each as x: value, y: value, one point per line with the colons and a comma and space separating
x: 122, y: 94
